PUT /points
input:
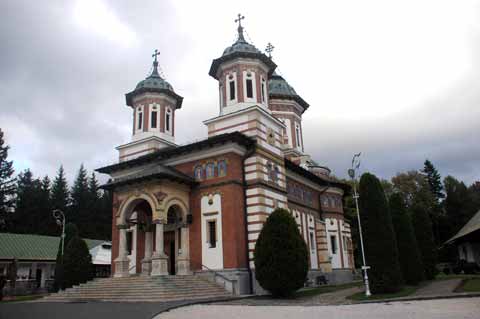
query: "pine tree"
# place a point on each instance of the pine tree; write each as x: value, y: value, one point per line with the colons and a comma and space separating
x: 60, y: 194
x: 104, y: 230
x: 422, y: 225
x: 409, y: 255
x: 7, y: 185
x: 79, y: 209
x: 281, y: 255
x: 434, y: 180
x: 47, y: 223
x: 380, y: 243
x: 27, y: 216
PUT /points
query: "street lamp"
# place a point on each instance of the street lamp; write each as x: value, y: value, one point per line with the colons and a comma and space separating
x: 351, y: 173
x: 60, y: 219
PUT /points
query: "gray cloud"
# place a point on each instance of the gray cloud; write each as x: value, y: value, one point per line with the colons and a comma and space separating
x: 63, y: 88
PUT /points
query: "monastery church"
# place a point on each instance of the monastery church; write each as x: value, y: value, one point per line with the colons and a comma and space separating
x: 199, y: 208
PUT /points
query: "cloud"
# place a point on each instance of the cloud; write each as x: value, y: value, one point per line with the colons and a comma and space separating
x: 397, y: 81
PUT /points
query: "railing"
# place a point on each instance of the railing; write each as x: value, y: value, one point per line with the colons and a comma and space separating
x: 225, y: 278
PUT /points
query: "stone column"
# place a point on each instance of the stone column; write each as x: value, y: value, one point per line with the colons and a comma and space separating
x: 147, y: 260
x: 159, y: 259
x: 183, y: 264
x: 122, y: 262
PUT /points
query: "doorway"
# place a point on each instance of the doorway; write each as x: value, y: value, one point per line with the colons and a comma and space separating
x: 38, y: 277
x: 172, y: 258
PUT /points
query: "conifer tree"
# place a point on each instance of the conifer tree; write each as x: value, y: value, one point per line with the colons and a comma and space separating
x: 60, y: 194
x: 7, y: 185
x: 79, y: 209
x: 281, y: 255
x: 422, y: 225
x: 379, y: 237
x: 434, y: 180
x: 71, y: 231
x: 47, y: 223
x: 409, y: 255
x: 27, y: 216
x: 77, y: 263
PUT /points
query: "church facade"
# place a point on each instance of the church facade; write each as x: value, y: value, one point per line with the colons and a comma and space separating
x: 199, y: 208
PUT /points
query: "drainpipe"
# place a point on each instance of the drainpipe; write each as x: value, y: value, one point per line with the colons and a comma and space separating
x: 244, y: 158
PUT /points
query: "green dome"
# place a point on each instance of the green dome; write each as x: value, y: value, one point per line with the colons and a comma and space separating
x: 278, y: 85
x: 154, y: 81
x: 279, y: 88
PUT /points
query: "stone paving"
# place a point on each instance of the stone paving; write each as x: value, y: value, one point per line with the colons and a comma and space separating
x: 465, y: 308
x: 438, y: 288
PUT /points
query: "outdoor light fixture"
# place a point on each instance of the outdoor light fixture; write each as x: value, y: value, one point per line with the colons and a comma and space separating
x: 60, y: 220
x: 352, y: 173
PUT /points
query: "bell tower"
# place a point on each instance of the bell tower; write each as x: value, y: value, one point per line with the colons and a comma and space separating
x: 153, y: 103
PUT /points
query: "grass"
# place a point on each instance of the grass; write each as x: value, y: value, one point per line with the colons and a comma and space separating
x: 469, y: 285
x: 324, y: 289
x: 23, y: 298
x: 405, y: 291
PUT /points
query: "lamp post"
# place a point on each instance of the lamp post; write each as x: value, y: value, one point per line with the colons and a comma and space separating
x: 351, y: 173
x: 60, y: 219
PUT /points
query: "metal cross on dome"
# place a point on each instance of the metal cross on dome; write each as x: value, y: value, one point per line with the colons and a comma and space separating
x: 269, y: 49
x: 239, y: 20
x: 155, y: 54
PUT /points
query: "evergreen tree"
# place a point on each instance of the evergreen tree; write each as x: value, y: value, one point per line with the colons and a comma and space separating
x: 71, y: 231
x: 77, y: 262
x: 7, y: 185
x: 27, y: 216
x: 423, y: 232
x: 59, y: 192
x: 281, y: 255
x: 380, y: 243
x: 79, y: 209
x: 104, y: 227
x: 434, y: 180
x: 409, y: 255
x: 47, y: 224
x: 459, y: 204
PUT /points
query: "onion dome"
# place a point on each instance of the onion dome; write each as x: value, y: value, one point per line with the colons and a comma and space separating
x: 278, y: 88
x: 241, y: 49
x: 156, y: 84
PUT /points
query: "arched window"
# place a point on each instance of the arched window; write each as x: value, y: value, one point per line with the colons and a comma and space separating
x: 231, y: 87
x: 264, y: 90
x: 154, y: 117
x: 297, y: 134
x: 198, y: 172
x: 222, y: 168
x: 210, y: 170
x: 168, y: 120
x: 249, y: 85
x: 139, y: 118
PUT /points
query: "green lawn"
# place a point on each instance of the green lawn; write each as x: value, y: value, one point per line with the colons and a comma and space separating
x: 308, y: 292
x: 470, y: 285
x: 405, y: 291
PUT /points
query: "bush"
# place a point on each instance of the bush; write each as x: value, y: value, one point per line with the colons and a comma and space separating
x: 446, y: 271
x: 281, y: 255
x: 77, y: 265
x: 71, y: 231
x: 409, y: 255
x: 380, y: 244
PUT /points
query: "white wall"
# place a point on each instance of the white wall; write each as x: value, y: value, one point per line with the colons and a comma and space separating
x: 212, y: 257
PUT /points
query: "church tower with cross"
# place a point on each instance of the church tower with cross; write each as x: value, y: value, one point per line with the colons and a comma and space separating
x: 153, y: 103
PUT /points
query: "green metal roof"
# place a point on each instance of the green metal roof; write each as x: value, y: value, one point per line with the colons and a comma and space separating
x: 33, y: 247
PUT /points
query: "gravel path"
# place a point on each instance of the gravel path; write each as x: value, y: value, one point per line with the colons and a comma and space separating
x: 466, y: 308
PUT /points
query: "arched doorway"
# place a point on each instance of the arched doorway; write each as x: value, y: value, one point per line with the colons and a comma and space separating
x: 139, y: 236
x: 173, y: 237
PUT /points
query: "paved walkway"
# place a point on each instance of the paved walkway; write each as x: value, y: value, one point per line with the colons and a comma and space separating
x: 331, y: 298
x: 466, y: 308
x: 438, y: 288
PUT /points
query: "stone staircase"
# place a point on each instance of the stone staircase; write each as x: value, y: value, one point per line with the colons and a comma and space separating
x: 142, y: 289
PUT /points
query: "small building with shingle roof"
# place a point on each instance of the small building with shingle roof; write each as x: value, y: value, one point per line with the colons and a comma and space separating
x: 467, y: 240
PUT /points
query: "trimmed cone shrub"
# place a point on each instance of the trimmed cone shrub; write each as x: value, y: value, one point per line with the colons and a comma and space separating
x: 77, y: 263
x: 281, y: 255
x: 379, y: 238
x: 422, y: 226
x: 71, y: 231
x: 409, y: 255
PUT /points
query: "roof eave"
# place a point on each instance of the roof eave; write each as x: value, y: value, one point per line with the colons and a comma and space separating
x: 262, y: 57
x: 129, y: 96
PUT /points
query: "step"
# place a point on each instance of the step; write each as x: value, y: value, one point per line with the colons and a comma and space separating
x: 143, y: 298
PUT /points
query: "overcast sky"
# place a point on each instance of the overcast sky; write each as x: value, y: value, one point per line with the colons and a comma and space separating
x: 397, y: 80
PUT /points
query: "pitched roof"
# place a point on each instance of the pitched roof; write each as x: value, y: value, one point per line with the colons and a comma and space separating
x: 33, y: 247
x: 472, y: 225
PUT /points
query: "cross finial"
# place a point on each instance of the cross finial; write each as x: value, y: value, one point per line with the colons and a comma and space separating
x: 239, y: 20
x: 154, y: 55
x: 269, y: 49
